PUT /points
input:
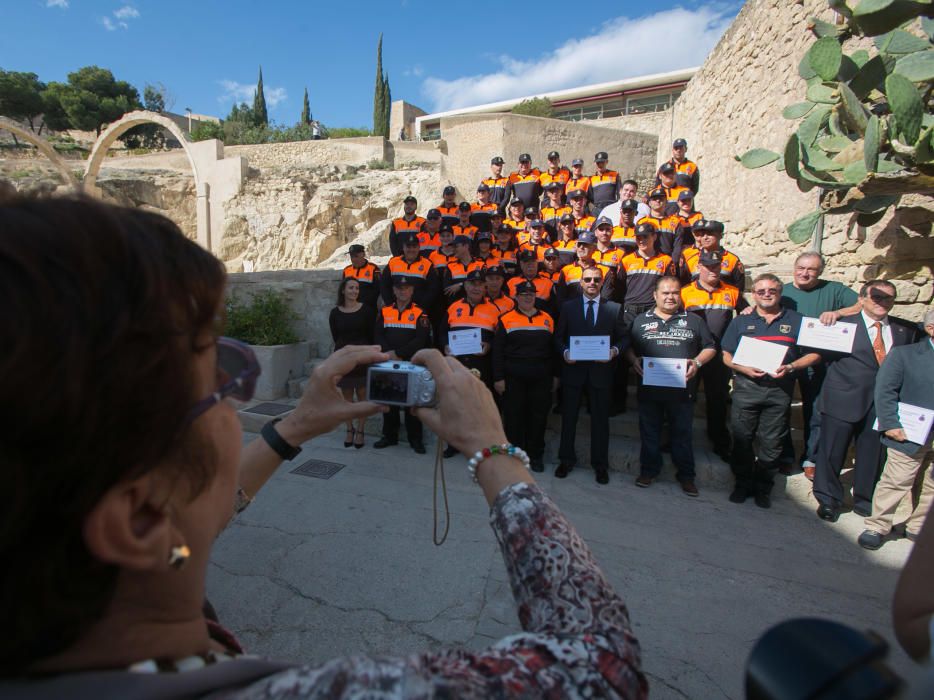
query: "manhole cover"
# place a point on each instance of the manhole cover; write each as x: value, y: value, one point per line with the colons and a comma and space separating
x: 269, y: 408
x: 318, y: 469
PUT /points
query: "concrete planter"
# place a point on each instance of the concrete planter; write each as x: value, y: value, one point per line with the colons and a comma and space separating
x: 279, y: 363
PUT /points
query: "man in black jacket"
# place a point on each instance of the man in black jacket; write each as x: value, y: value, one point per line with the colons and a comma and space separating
x: 588, y: 315
x: 846, y: 403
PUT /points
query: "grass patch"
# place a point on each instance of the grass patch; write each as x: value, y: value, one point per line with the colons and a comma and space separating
x: 379, y: 165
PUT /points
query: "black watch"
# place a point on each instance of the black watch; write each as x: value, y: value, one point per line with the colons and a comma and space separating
x: 275, y: 441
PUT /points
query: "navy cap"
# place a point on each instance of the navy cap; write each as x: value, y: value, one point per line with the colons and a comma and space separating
x: 629, y: 204
x: 401, y: 280
x: 679, y: 143
x: 483, y: 236
x: 494, y: 270
x: 658, y: 192
x: 709, y: 226
x: 567, y: 219
x: 497, y: 214
x: 526, y: 255
x: 525, y: 158
x: 685, y: 195
x: 445, y: 228
x: 603, y: 220
x: 517, y: 202
x: 529, y: 211
x: 577, y: 161
x: 475, y: 276
x: 551, y: 253
x: 463, y: 206
x: 666, y: 167
x: 553, y: 185
x: 461, y: 239
x: 356, y: 248
x: 433, y: 214
x: 497, y: 160
x: 553, y: 155
x: 587, y: 237
x: 483, y: 187
x: 410, y: 198
x: 410, y: 239
x: 525, y: 288
x: 710, y: 257
x: 575, y: 194
x: 449, y: 190
x: 509, y: 230
x: 600, y: 156
x: 536, y: 223
x: 645, y: 229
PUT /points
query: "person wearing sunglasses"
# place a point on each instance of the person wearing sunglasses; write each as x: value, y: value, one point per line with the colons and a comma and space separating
x: 847, y: 407
x: 759, y: 418
x: 125, y: 455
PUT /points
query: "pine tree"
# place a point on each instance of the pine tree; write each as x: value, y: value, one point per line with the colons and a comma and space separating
x: 379, y: 92
x: 259, y: 102
x: 306, y: 109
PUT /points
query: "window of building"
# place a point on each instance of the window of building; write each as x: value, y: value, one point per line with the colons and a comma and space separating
x: 651, y: 103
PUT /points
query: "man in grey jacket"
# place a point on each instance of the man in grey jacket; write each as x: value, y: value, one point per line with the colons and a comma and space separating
x: 906, y: 376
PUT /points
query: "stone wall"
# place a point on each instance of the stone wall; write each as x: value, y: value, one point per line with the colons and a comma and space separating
x: 402, y: 116
x: 412, y: 153
x: 349, y: 151
x: 470, y: 141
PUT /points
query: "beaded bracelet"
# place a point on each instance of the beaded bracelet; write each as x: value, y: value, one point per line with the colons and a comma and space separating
x: 487, y: 452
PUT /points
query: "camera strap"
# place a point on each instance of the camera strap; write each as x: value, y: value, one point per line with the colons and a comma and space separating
x: 439, y: 469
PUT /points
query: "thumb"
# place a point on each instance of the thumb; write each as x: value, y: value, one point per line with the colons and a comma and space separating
x: 430, y: 417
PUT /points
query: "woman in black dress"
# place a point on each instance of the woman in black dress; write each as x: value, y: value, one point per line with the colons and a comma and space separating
x: 352, y: 323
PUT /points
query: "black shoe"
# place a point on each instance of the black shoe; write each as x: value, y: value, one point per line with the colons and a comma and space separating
x: 828, y: 513
x: 863, y: 511
x: 870, y: 539
x: 418, y: 447
x: 450, y: 451
x: 537, y: 465
x: 384, y: 442
x: 603, y: 477
x: 723, y: 452
x: 563, y: 470
x: 763, y: 500
x: 739, y: 495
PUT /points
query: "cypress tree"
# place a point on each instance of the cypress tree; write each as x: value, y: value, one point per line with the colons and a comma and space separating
x: 306, y: 109
x: 387, y: 105
x: 379, y: 91
x: 259, y: 102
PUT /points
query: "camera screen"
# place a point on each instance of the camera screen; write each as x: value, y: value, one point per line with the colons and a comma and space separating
x: 388, y: 386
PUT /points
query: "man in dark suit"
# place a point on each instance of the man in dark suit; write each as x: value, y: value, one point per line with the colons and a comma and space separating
x: 846, y: 402
x: 588, y: 315
x: 906, y: 376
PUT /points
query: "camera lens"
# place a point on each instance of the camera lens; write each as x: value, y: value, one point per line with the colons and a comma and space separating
x: 395, y: 366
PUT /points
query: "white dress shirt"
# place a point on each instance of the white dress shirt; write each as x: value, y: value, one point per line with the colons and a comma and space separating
x: 886, y: 331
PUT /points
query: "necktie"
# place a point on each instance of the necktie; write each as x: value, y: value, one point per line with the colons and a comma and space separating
x: 591, y: 320
x: 878, y: 345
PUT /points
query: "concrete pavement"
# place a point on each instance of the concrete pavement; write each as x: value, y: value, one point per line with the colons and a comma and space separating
x: 320, y: 568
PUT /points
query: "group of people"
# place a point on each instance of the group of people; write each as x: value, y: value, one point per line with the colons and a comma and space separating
x: 544, y: 257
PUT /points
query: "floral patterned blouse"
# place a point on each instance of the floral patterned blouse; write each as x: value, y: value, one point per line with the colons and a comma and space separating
x: 576, y: 642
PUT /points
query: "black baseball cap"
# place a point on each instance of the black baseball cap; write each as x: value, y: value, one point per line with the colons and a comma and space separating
x: 601, y: 221
x: 483, y: 236
x: 433, y: 214
x: 526, y: 255
x: 600, y: 156
x: 577, y: 161
x: 461, y: 239
x: 645, y: 230
x: 567, y: 219
x: 410, y: 198
x: 679, y: 143
x: 519, y: 202
x: 463, y: 206
x: 525, y: 158
x: 497, y: 214
x: 666, y: 167
x: 629, y: 204
x: 529, y: 211
x: 401, y: 281
x: 550, y: 253
x: 710, y: 226
x: 587, y: 237
x: 356, y: 248
x: 575, y: 194
x: 410, y: 239
x: 710, y: 257
x: 449, y: 190
x: 497, y: 160
x: 494, y: 270
x: 536, y: 223
x: 483, y: 187
x: 475, y: 276
x: 685, y: 194
x: 658, y: 192
x: 446, y: 228
x: 553, y: 185
x: 525, y: 288
x: 553, y: 155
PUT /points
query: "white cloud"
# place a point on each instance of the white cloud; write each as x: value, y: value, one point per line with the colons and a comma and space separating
x: 243, y: 92
x: 414, y: 71
x: 126, y: 12
x: 621, y: 48
x: 112, y: 26
x: 57, y: 3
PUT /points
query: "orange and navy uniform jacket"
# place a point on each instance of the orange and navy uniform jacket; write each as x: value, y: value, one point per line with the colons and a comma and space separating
x: 456, y: 273
x: 480, y: 215
x: 503, y: 302
x: 461, y: 314
x: 581, y: 183
x: 525, y: 236
x: 368, y: 277
x: 680, y: 227
x: 604, y: 189
x: 506, y: 258
x: 448, y: 214
x: 537, y: 248
x: 526, y: 188
x: 686, y: 174
x: 545, y: 296
x: 428, y: 243
x: 561, y: 177
x: 423, y: 276
x: 499, y: 191
x: 406, y: 331
x: 583, y: 224
x: 610, y: 258
x: 569, y: 284
x: 470, y: 231
x: 523, y: 346
x: 567, y: 252
x: 400, y: 226
x: 518, y: 224
x: 550, y: 216
x: 439, y: 260
x: 624, y: 238
x: 665, y: 241
x: 716, y: 308
x: 637, y: 277
x: 732, y: 270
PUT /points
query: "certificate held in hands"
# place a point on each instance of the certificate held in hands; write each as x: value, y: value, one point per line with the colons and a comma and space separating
x: 589, y: 347
x: 838, y: 337
x: 664, y: 371
x: 465, y: 341
x: 759, y: 354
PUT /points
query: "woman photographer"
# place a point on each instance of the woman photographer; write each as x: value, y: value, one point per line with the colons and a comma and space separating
x: 351, y: 323
x: 123, y: 460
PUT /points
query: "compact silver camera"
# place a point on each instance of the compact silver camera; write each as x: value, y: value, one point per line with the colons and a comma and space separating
x: 399, y: 383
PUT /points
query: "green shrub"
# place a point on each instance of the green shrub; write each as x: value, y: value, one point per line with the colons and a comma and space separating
x: 535, y: 107
x: 379, y: 165
x: 345, y: 132
x: 265, y: 319
x: 206, y: 130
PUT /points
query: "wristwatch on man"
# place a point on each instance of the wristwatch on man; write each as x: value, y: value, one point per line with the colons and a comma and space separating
x: 697, y: 363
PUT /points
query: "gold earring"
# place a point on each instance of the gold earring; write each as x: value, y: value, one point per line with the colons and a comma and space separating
x: 179, y: 556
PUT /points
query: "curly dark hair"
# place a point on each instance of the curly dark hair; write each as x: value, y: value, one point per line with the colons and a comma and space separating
x: 104, y: 310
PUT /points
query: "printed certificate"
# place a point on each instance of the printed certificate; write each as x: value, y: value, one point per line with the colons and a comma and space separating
x: 838, y: 337
x: 760, y: 354
x: 664, y: 371
x: 589, y: 347
x: 465, y: 341
x: 916, y: 422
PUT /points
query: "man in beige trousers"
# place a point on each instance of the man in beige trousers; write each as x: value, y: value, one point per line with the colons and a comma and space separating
x: 906, y: 376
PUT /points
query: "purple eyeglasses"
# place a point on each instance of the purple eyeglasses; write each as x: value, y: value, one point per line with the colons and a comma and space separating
x: 237, y: 371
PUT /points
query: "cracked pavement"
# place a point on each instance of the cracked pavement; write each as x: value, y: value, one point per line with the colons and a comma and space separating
x: 315, y: 568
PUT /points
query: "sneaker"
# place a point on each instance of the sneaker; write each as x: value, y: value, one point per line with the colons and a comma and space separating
x: 870, y: 539
x: 384, y: 442
x: 739, y: 495
x: 689, y: 488
x: 643, y: 482
x: 763, y: 500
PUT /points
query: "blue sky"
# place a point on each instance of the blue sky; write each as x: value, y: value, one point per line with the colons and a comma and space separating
x: 207, y: 53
